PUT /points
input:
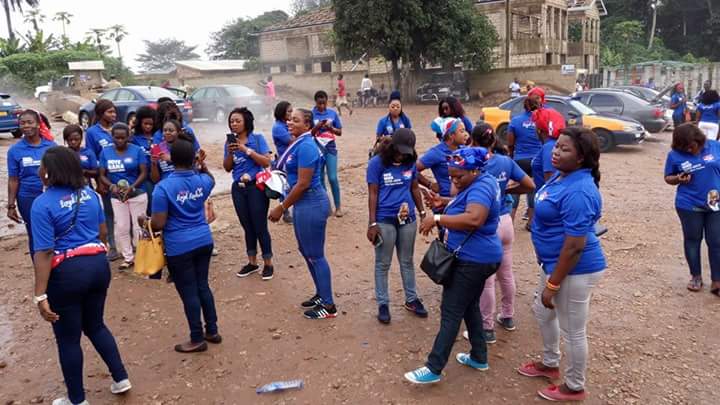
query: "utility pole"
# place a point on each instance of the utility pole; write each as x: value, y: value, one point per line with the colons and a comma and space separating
x: 653, y: 5
x: 508, y: 33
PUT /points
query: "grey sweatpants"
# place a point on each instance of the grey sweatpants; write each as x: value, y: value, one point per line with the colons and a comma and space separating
x: 570, y: 317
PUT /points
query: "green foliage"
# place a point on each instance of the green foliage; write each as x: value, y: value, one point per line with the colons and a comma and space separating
x: 11, y: 47
x: 300, y: 7
x: 624, y: 44
x: 236, y: 40
x: 575, y: 31
x: 163, y: 53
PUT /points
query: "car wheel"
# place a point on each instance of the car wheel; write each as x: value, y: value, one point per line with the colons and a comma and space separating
x: 605, y: 140
x: 84, y: 120
x: 502, y: 133
x: 220, y: 116
x: 17, y: 133
x: 131, y: 120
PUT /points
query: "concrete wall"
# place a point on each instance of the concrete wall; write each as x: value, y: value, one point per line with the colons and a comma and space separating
x: 498, y: 80
x: 692, y: 76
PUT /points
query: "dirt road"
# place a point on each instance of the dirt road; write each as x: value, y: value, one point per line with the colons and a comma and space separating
x: 651, y: 341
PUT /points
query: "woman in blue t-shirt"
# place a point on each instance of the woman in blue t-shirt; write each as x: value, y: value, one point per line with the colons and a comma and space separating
x: 246, y: 156
x: 73, y: 137
x: 454, y: 136
x: 450, y: 107
x: 23, y: 160
x: 142, y: 136
x: 280, y: 134
x: 571, y: 258
x: 678, y: 103
x: 72, y: 274
x: 123, y: 170
x: 471, y: 220
x: 523, y: 146
x: 179, y: 211
x: 395, y: 118
x: 693, y: 165
x: 708, y: 114
x: 160, y: 163
x: 303, y: 162
x: 393, y: 196
x: 327, y: 126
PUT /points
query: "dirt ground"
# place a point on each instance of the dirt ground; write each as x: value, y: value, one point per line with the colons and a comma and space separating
x: 651, y: 341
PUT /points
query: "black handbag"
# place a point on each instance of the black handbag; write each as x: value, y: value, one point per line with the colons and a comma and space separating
x: 438, y: 260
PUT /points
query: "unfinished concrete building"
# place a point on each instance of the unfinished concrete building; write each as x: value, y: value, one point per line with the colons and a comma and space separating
x: 584, y: 33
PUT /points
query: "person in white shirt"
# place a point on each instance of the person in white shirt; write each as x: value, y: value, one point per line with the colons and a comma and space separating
x: 366, y: 89
x: 514, y: 88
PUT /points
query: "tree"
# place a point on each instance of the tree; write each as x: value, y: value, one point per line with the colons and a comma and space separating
x: 236, y: 40
x: 11, y: 6
x: 64, y: 18
x: 117, y: 33
x: 11, y: 47
x: 96, y: 35
x: 35, y: 17
x: 163, y: 54
x: 300, y: 7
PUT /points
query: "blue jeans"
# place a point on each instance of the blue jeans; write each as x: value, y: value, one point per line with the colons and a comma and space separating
x: 148, y: 186
x: 24, y: 205
x: 331, y: 169
x: 310, y: 215
x: 402, y: 238
x: 694, y: 225
x: 109, y: 219
x: 251, y: 206
x: 76, y: 292
x: 190, y: 275
x: 526, y: 165
x: 461, y: 301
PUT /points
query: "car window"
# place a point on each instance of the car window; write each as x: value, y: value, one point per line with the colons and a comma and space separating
x: 6, y: 100
x: 153, y: 93
x: 211, y: 93
x: 518, y: 108
x: 560, y: 107
x: 581, y: 108
x: 606, y: 103
x: 583, y: 98
x: 125, y: 95
x: 110, y: 95
x: 239, y: 91
x: 199, y: 95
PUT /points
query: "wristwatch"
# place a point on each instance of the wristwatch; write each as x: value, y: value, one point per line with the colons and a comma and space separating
x: 437, y: 217
x: 249, y: 151
x: 39, y: 299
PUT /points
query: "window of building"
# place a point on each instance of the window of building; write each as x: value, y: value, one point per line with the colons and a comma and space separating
x: 548, y: 58
x: 308, y: 68
x: 326, y: 67
x: 292, y: 68
x: 266, y: 68
x: 283, y: 68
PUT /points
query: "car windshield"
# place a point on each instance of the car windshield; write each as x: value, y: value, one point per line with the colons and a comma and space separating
x: 154, y: 93
x: 239, y: 91
x: 442, y: 78
x: 582, y: 108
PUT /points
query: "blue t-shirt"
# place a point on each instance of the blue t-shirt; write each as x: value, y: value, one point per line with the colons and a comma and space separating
x: 468, y: 124
x: 52, y: 213
x: 182, y: 196
x: 124, y: 166
x: 88, y: 160
x: 167, y: 167
x: 484, y: 245
x: 281, y: 137
x: 97, y: 139
x: 242, y: 163
x: 158, y: 136
x: 334, y: 119
x: 394, y: 188
x: 679, y: 111
x: 504, y: 169
x: 386, y: 126
x: 145, y: 143
x: 435, y: 159
x: 306, y: 154
x: 23, y: 161
x: 527, y: 144
x: 704, y: 169
x: 709, y: 113
x: 568, y: 206
x: 542, y: 163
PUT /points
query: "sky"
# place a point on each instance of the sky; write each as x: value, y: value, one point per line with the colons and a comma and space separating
x: 147, y: 20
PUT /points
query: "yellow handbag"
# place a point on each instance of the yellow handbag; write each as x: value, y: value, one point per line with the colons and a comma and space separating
x: 150, y: 255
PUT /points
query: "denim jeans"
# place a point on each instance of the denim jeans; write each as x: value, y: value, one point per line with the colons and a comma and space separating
x: 109, y: 218
x: 76, y: 292
x: 190, y: 275
x: 400, y: 238
x: 310, y: 216
x: 526, y: 165
x: 148, y: 186
x: 251, y: 206
x: 694, y: 225
x: 569, y: 318
x: 461, y: 301
x: 331, y: 169
x: 24, y: 205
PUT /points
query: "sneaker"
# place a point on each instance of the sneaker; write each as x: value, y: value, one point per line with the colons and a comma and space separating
x: 506, y: 323
x: 215, y: 252
x: 312, y: 302
x: 267, y: 272
x: 125, y: 265
x: 464, y: 358
x: 525, y: 216
x: 190, y: 347
x: 489, y: 335
x: 383, y: 314
x: 247, y: 270
x: 321, y: 312
x: 530, y: 370
x: 423, y: 375
x: 417, y: 308
x: 120, y: 387
x: 65, y: 401
x: 214, y: 339
x: 553, y: 393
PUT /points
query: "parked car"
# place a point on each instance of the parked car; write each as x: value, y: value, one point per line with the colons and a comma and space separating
x: 128, y: 99
x: 64, y: 83
x: 215, y: 102
x: 621, y: 104
x: 610, y: 131
x: 444, y: 84
x: 9, y: 114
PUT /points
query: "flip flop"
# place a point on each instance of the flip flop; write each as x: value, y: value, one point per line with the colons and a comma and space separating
x: 695, y: 284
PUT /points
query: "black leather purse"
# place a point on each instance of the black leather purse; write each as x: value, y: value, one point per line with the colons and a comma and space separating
x: 438, y: 260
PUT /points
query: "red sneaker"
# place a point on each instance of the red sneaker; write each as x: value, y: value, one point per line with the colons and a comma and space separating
x: 531, y: 370
x: 553, y: 393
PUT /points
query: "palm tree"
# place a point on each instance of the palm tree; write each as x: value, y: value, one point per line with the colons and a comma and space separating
x: 35, y: 17
x: 117, y: 33
x: 64, y: 17
x: 97, y: 34
x: 11, y: 6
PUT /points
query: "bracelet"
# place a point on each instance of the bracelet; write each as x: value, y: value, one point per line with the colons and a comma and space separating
x: 39, y: 299
x: 437, y: 217
x: 552, y: 287
x: 11, y: 206
x: 374, y: 224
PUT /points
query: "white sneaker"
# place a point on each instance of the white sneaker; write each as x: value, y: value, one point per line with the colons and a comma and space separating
x: 120, y: 387
x: 65, y: 401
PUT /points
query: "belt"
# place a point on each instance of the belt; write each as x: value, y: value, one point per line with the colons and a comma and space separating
x: 89, y: 249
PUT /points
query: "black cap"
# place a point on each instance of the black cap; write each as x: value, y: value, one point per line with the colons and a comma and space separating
x: 404, y: 141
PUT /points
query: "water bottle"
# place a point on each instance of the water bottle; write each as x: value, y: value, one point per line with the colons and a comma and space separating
x: 280, y: 386
x: 123, y: 183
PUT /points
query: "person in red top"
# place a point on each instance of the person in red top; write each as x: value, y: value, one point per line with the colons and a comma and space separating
x: 341, y: 99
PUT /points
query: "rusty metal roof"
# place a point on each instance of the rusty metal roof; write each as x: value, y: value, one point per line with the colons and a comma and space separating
x: 321, y: 16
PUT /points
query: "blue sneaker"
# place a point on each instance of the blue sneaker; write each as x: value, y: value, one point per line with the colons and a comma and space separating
x: 423, y: 375
x: 383, y: 314
x: 464, y: 358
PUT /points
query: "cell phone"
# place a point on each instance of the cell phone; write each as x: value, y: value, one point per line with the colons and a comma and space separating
x: 378, y: 240
x: 231, y: 138
x: 155, y: 150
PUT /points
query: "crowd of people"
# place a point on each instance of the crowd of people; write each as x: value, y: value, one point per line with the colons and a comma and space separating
x: 87, y: 204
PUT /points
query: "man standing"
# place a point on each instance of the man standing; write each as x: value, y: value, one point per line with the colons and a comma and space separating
x: 707, y: 85
x: 651, y: 83
x: 365, y: 89
x: 514, y: 88
x: 341, y: 99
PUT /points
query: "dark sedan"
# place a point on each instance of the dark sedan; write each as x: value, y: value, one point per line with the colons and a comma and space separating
x: 215, y: 102
x: 128, y: 99
x: 619, y: 103
x: 9, y: 113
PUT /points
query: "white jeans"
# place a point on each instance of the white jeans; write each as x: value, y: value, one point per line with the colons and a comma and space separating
x: 569, y: 318
x: 126, y: 214
x: 710, y: 129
